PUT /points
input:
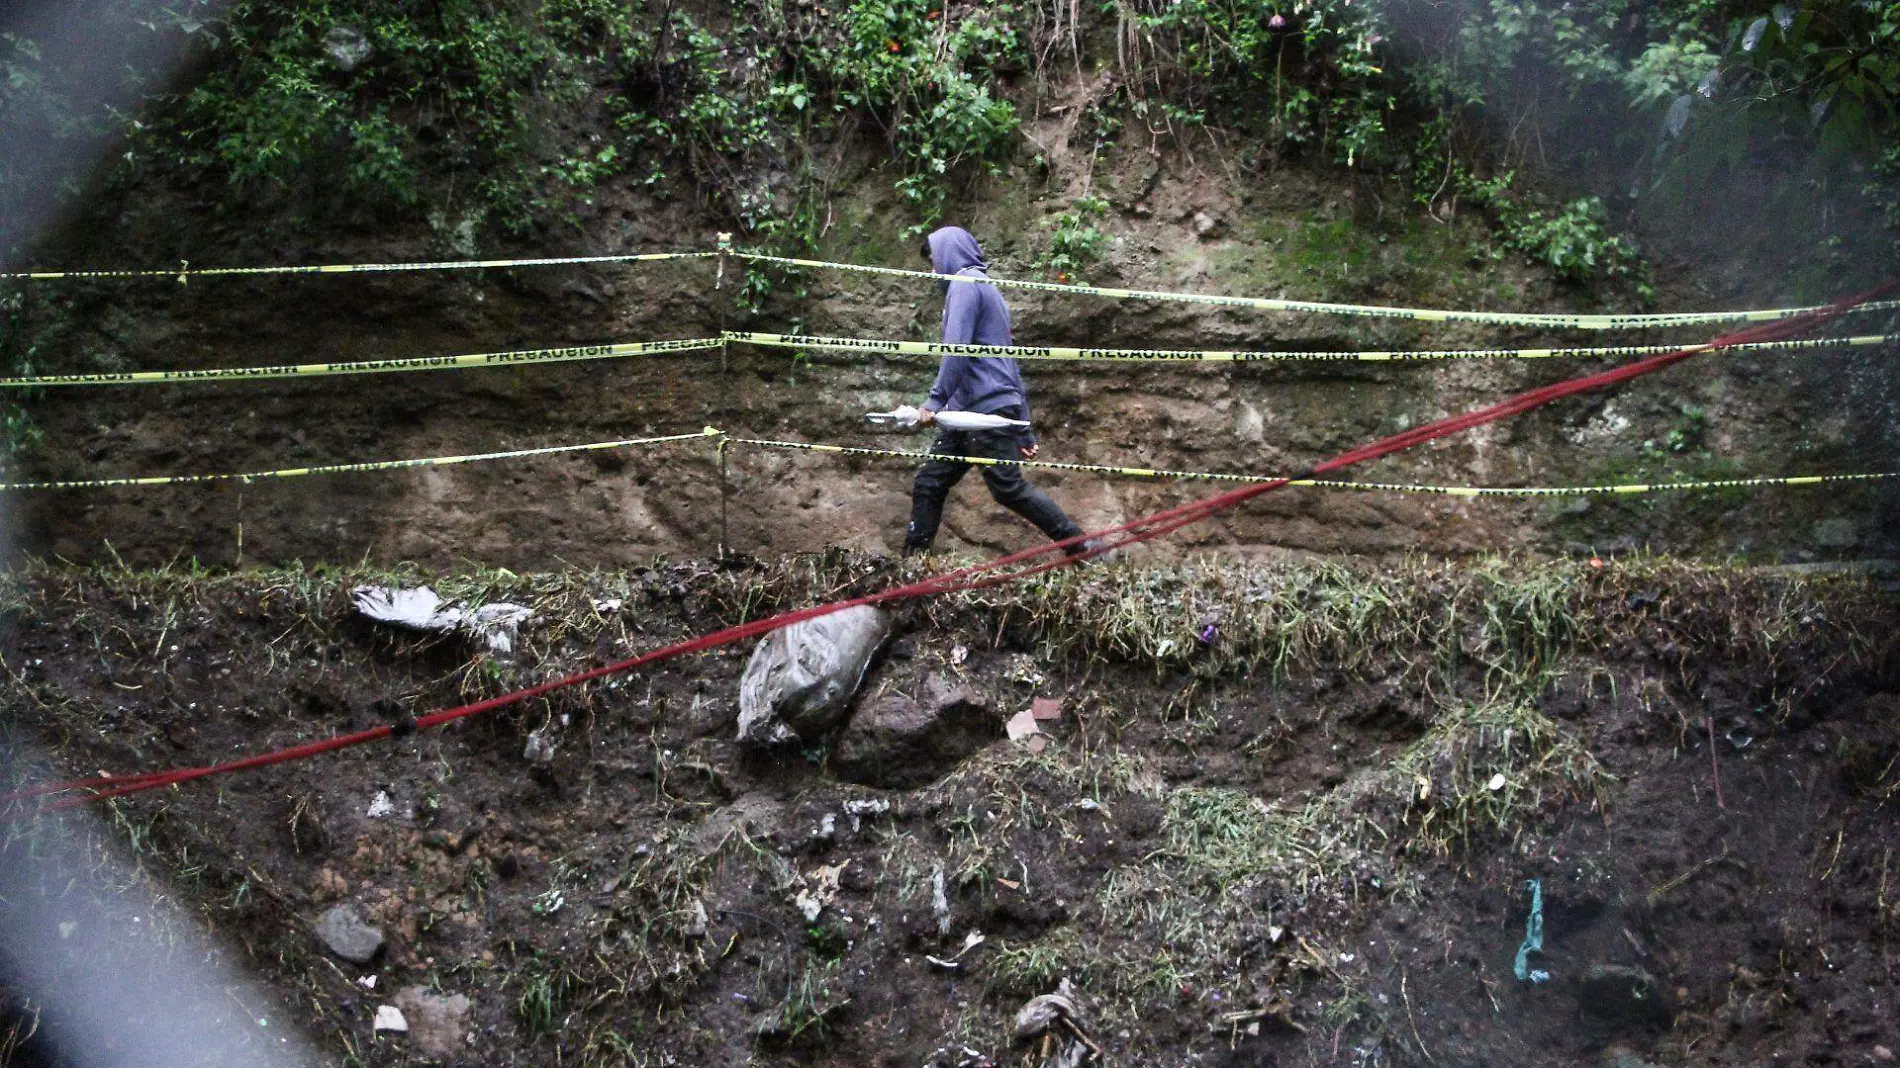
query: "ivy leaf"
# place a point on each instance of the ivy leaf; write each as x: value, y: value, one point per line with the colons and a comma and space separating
x: 1752, y: 37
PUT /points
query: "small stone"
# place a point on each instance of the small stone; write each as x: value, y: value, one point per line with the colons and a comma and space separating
x: 1882, y: 1053
x: 1206, y: 227
x: 436, y: 1022
x: 1837, y: 533
x: 380, y: 805
x: 1496, y: 783
x: 345, y: 934
x: 1624, y: 996
x: 390, y: 1018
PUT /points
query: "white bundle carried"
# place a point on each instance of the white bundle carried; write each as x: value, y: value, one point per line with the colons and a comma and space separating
x: 904, y: 417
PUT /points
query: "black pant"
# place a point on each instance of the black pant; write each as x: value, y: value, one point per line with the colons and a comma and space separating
x: 936, y: 477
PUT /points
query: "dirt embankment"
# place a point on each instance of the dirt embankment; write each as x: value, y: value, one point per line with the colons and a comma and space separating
x: 1288, y: 815
x: 1287, y: 232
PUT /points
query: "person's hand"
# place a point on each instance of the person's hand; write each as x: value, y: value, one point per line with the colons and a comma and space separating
x: 926, y: 417
x: 1028, y: 451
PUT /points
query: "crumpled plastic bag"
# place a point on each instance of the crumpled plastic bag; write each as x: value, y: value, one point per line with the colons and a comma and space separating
x: 801, y: 678
x: 904, y: 417
x: 421, y: 608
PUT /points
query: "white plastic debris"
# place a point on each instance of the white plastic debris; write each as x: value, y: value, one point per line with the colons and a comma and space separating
x: 940, y: 900
x: 821, y: 887
x: 390, y: 1018
x: 904, y: 417
x: 801, y: 678
x: 540, y: 747
x: 857, y: 810
x: 380, y: 805
x: 1496, y: 783
x: 421, y: 608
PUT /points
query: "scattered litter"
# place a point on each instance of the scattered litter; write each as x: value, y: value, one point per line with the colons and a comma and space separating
x: 1045, y: 709
x: 1345, y: 958
x: 1210, y: 629
x: 421, y: 609
x: 1533, y: 938
x: 1424, y: 788
x: 367, y: 982
x: 958, y: 654
x: 380, y: 805
x: 939, y: 900
x: 1022, y: 669
x: 1740, y: 738
x: 947, y: 965
x: 611, y: 604
x: 1278, y: 1010
x: 1022, y: 728
x: 955, y: 960
x: 1882, y: 1053
x: 857, y: 810
x: 959, y: 1057
x: 1052, y: 1022
x: 800, y: 679
x: 540, y: 747
x: 1022, y: 725
x: 67, y: 927
x: 904, y: 417
x: 821, y: 886
x: 827, y: 828
x: 1496, y: 783
x: 1010, y: 884
x: 1274, y: 934
x: 390, y: 1018
x: 697, y: 922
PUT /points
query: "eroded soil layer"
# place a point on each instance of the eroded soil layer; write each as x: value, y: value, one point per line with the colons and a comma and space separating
x: 1288, y: 814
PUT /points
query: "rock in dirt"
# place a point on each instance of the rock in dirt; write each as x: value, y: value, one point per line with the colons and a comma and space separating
x: 436, y: 1022
x: 390, y: 1018
x: 802, y: 677
x: 345, y: 934
x: 898, y: 742
x: 1836, y: 533
x: 1623, y: 997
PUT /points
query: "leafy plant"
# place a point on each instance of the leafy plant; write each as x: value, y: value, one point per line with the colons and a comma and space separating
x: 1075, y: 240
x: 1575, y: 241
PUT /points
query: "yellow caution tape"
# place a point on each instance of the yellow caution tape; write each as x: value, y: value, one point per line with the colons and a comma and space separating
x: 1056, y: 352
x: 362, y: 367
x: 186, y: 271
x: 1389, y: 487
x: 337, y: 469
x: 1373, y: 311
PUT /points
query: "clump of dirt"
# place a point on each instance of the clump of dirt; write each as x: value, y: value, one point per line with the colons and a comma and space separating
x: 1288, y: 813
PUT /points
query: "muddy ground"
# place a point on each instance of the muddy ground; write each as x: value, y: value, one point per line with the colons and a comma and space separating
x: 1289, y: 814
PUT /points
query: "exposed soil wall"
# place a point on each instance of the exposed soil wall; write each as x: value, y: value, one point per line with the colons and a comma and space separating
x: 1282, y: 232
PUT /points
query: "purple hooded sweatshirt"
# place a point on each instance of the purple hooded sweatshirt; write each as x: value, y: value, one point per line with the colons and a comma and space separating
x: 972, y: 315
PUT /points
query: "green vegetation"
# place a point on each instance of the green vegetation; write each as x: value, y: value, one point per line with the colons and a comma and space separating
x: 520, y: 116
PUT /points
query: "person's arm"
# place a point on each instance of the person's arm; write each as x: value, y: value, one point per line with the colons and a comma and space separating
x: 950, y: 376
x: 960, y: 305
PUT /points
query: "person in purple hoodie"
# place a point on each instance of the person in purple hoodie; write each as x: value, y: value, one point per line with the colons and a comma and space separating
x: 976, y: 315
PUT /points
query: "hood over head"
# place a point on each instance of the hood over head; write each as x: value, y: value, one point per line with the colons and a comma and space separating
x: 952, y: 249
